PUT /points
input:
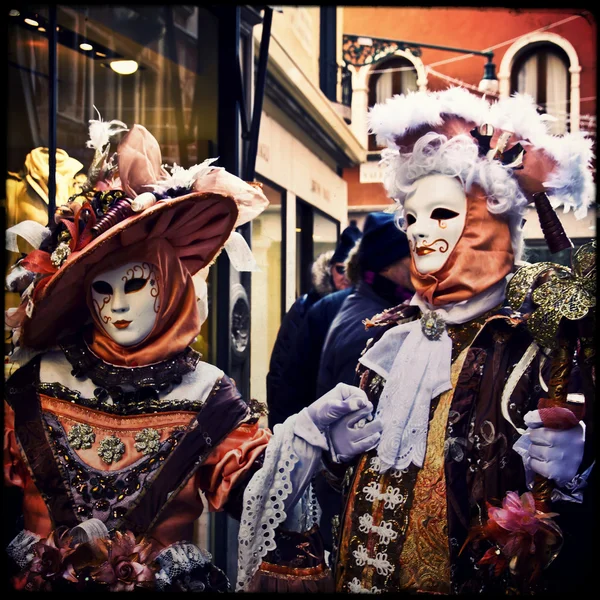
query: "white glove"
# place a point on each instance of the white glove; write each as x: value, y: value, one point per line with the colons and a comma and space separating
x: 553, y: 453
x: 313, y: 422
x: 354, y: 434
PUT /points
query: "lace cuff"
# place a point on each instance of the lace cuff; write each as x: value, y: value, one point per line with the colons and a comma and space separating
x: 20, y: 548
x: 273, y: 488
x: 179, y: 559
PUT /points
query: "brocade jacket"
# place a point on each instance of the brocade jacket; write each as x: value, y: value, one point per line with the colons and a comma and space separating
x: 405, y: 530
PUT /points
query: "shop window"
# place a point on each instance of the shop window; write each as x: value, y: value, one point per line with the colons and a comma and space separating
x: 393, y: 76
x: 316, y: 233
x: 267, y: 288
x: 542, y: 72
x: 173, y: 93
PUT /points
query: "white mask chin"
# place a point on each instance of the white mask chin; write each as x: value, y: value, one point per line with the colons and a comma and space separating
x: 435, y: 213
x: 126, y: 301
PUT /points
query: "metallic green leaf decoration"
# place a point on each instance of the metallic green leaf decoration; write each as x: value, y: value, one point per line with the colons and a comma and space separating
x: 147, y: 441
x: 563, y: 293
x: 81, y: 436
x: 111, y: 449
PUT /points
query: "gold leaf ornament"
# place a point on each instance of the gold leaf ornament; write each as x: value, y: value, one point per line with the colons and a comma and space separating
x: 565, y: 293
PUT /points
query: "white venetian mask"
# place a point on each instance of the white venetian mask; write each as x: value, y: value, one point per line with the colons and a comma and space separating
x: 126, y: 301
x: 435, y: 213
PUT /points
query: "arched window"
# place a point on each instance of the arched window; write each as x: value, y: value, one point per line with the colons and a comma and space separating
x: 400, y: 76
x: 542, y: 71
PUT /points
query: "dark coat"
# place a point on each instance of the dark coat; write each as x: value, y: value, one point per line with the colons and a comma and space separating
x: 295, y: 387
x: 347, y: 337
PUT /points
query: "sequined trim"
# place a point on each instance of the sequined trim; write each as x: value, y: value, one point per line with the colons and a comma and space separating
x: 160, y: 376
x: 102, y: 494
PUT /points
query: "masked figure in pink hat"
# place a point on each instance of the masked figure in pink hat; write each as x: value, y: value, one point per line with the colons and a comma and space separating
x: 481, y: 408
x: 116, y: 431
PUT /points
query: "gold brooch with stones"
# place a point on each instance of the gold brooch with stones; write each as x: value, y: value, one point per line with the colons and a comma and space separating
x: 111, y: 449
x: 432, y: 325
x: 147, y: 441
x: 81, y: 436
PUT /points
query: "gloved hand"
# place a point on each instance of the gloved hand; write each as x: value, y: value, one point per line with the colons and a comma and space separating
x: 555, y: 454
x: 313, y: 421
x: 354, y: 434
x: 336, y: 403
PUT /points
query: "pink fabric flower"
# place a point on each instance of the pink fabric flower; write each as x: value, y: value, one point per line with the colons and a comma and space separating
x: 125, y: 565
x: 524, y: 539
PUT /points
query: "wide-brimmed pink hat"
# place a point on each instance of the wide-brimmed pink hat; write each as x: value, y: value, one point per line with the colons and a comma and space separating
x: 195, y: 210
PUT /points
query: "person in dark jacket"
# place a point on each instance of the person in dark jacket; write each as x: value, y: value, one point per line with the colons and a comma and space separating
x: 301, y: 370
x: 383, y: 260
x: 328, y: 275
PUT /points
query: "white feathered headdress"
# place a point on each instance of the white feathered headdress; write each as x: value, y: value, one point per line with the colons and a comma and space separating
x: 411, y: 125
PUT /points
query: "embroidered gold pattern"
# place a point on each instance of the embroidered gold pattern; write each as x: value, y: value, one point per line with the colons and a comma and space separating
x: 425, y: 558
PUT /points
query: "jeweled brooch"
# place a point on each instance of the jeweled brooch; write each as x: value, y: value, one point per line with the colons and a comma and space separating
x: 432, y: 325
x: 147, y: 441
x: 81, y: 436
x: 111, y: 449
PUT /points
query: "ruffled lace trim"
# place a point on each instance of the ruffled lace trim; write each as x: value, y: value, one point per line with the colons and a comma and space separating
x: 179, y: 559
x: 20, y: 548
x: 264, y: 503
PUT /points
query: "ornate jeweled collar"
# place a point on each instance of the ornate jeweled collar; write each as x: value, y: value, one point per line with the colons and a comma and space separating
x: 161, y: 376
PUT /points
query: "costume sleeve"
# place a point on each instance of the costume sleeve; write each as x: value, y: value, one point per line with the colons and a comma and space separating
x: 236, y: 458
x: 14, y: 468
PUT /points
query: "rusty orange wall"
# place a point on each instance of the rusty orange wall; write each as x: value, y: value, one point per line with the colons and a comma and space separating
x: 363, y: 193
x: 468, y: 28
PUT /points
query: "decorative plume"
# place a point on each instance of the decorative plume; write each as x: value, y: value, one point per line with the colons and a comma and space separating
x: 101, y: 131
x: 184, y: 179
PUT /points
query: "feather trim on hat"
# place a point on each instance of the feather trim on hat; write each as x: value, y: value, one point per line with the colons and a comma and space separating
x: 184, y: 179
x: 400, y: 114
x: 572, y: 183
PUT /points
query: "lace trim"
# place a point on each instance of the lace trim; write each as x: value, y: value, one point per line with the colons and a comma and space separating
x: 179, y: 559
x: 391, y: 496
x: 20, y: 548
x: 264, y: 503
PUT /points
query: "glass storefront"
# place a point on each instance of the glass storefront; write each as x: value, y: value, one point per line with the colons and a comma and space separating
x: 316, y: 233
x: 155, y: 66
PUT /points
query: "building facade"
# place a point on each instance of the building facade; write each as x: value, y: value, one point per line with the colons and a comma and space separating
x: 549, y: 54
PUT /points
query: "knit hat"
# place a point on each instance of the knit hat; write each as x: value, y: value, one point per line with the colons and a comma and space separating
x: 382, y: 243
x: 348, y: 239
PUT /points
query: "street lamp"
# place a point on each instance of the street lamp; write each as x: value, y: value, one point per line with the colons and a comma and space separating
x: 361, y: 50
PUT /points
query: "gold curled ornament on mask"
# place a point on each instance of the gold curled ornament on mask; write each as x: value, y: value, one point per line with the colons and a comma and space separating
x: 565, y: 292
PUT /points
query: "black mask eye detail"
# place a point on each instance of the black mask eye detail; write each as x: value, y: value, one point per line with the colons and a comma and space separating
x: 102, y: 287
x: 443, y: 214
x: 410, y: 220
x: 135, y: 285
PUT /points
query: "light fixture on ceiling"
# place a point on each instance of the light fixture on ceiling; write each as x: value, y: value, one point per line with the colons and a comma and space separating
x: 86, y: 46
x: 13, y: 13
x: 31, y: 22
x: 100, y: 54
x: 124, y: 67
x: 42, y: 29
